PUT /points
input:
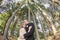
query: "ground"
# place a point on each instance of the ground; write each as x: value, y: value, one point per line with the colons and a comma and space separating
x: 49, y: 38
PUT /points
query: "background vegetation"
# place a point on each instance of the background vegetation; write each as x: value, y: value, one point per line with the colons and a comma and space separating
x: 45, y: 14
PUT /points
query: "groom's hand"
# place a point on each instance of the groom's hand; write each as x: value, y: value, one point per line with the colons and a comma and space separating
x: 31, y: 31
x: 30, y: 28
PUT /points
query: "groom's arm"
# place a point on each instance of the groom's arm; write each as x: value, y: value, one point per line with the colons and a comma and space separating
x: 30, y: 32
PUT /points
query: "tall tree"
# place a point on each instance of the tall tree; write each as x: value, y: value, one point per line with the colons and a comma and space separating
x: 14, y: 26
x: 28, y: 10
x: 5, y: 36
x: 41, y: 21
x: 36, y: 30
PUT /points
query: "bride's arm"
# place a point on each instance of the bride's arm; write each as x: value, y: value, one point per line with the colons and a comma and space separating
x: 21, y: 34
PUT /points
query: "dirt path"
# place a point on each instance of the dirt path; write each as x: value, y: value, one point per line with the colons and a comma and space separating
x: 1, y: 37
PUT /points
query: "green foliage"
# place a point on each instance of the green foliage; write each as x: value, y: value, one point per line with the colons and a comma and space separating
x: 3, y: 19
x: 32, y: 7
x: 24, y: 9
x: 59, y: 11
x: 0, y: 1
x: 22, y: 14
x: 58, y: 28
x: 41, y: 35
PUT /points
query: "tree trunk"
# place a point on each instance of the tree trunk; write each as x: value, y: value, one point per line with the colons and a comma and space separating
x: 5, y: 36
x: 6, y: 22
x: 55, y: 2
x: 14, y: 26
x: 29, y: 14
x: 36, y: 30
x: 45, y: 37
x: 48, y: 21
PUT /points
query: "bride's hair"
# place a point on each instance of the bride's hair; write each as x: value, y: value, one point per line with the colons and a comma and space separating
x: 26, y: 19
x: 22, y: 24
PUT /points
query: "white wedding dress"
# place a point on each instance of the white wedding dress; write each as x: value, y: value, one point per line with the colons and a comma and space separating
x: 22, y: 32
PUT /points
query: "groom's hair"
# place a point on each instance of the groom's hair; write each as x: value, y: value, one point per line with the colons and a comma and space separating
x: 26, y: 19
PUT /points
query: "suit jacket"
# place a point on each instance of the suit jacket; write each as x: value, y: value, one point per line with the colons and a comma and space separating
x: 29, y: 35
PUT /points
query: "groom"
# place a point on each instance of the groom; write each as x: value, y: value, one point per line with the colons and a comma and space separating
x: 29, y: 35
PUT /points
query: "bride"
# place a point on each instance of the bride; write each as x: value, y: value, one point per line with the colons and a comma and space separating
x: 22, y: 31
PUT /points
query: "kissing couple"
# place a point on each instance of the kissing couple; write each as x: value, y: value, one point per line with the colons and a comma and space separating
x: 26, y: 31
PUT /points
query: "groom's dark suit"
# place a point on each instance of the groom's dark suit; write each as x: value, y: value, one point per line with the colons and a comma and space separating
x: 29, y: 35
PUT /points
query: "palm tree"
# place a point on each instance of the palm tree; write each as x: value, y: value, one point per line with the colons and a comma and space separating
x: 8, y: 24
x: 41, y: 21
x: 31, y: 11
x: 14, y: 26
x: 47, y: 19
x: 55, y: 2
x: 36, y: 30
x: 50, y: 23
x: 14, y: 12
x: 28, y: 7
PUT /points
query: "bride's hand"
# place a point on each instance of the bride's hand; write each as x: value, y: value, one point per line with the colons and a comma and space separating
x: 22, y: 37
